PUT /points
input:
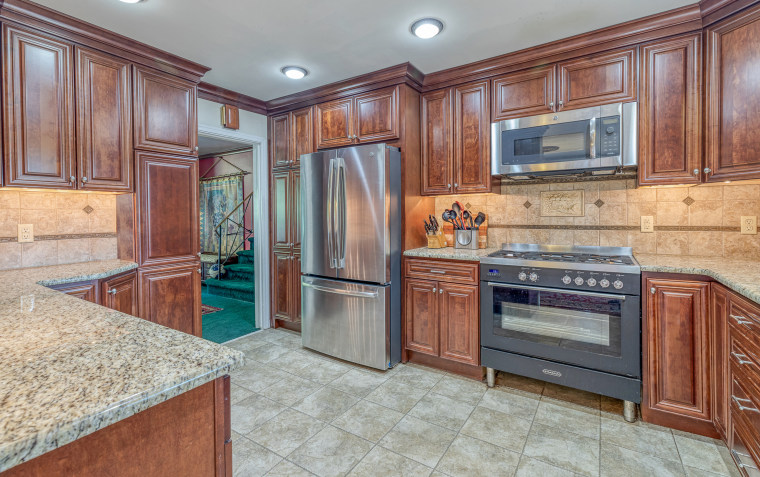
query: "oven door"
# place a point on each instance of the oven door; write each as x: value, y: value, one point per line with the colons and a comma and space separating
x: 598, y: 331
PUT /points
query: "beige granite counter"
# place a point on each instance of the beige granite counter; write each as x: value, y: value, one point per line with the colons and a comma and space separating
x: 741, y: 276
x: 69, y: 367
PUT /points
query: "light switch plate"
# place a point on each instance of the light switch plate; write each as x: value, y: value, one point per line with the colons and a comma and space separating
x: 25, y: 233
x: 647, y: 223
x: 749, y: 224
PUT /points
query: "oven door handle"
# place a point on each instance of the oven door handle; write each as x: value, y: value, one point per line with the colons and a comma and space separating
x: 557, y: 290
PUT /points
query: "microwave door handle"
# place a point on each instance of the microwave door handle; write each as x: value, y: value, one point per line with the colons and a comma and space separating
x: 592, y: 138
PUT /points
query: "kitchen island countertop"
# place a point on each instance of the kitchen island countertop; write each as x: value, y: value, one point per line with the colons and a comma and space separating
x: 69, y: 367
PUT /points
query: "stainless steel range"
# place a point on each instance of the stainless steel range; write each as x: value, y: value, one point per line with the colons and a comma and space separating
x: 568, y: 315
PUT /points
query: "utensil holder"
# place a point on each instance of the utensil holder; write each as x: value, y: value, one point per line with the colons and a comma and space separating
x: 466, y: 239
x: 436, y: 241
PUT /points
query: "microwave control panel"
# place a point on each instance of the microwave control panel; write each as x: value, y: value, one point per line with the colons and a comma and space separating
x: 609, y: 136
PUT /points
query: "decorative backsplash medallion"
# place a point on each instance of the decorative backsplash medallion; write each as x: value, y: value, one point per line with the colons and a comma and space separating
x: 562, y: 203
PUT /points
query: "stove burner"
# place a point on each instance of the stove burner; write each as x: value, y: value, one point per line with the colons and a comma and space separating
x: 565, y: 257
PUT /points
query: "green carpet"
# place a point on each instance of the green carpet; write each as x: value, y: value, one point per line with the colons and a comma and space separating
x: 236, y: 319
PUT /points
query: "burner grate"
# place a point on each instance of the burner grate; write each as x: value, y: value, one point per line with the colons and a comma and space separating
x: 565, y: 257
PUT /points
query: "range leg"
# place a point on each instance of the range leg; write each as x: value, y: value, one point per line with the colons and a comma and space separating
x: 491, y: 377
x: 629, y: 411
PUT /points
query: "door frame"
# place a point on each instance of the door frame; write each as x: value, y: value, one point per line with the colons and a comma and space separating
x: 260, y: 214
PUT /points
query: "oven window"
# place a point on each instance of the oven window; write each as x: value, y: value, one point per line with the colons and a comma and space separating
x: 565, y: 320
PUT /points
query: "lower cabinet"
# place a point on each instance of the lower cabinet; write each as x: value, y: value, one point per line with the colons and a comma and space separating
x: 442, y: 316
x: 120, y: 293
x: 171, y: 296
x: 87, y: 291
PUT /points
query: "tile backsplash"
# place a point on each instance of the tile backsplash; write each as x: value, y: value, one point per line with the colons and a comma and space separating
x: 68, y: 227
x: 698, y: 220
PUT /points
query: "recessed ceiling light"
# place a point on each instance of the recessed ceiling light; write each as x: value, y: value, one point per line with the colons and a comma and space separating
x: 426, y: 28
x: 131, y: 1
x: 294, y: 72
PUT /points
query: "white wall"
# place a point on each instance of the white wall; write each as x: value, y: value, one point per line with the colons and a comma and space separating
x: 251, y: 124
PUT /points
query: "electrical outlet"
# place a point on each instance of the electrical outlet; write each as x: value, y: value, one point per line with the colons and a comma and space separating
x: 647, y: 223
x: 749, y: 224
x: 25, y: 233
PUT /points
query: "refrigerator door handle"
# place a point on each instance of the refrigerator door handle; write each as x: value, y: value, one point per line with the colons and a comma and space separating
x: 331, y: 214
x: 341, y: 214
x: 339, y: 291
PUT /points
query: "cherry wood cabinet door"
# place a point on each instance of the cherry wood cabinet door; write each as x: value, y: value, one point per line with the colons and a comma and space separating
x: 524, y: 93
x: 167, y: 202
x: 598, y: 79
x: 732, y: 97
x: 295, y: 291
x: 279, y: 139
x: 421, y: 301
x: 165, y: 113
x: 281, y: 209
x: 334, y: 123
x: 676, y: 351
x: 719, y: 357
x: 459, y: 328
x: 294, y: 184
x: 670, y: 112
x: 171, y: 296
x: 437, y: 143
x: 104, y: 122
x: 302, y: 134
x: 38, y: 114
x: 282, y: 284
x: 377, y: 115
x: 87, y: 291
x: 120, y: 293
x: 472, y: 138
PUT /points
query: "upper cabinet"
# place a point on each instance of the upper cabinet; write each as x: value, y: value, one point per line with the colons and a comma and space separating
x: 525, y: 93
x: 733, y: 98
x: 670, y: 112
x: 456, y: 140
x: 104, y: 122
x: 368, y: 117
x: 38, y: 117
x: 279, y: 140
x: 290, y: 135
x: 598, y: 79
x: 165, y: 113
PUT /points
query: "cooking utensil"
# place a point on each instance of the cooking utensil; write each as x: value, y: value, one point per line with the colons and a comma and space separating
x: 481, y: 217
x: 468, y: 217
x: 447, y: 217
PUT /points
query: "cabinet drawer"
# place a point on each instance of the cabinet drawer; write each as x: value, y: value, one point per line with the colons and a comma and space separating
x: 744, y: 320
x: 745, y: 358
x: 745, y: 410
x: 442, y: 270
x: 745, y: 455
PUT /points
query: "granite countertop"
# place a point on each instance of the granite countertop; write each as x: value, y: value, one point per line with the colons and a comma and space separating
x: 69, y: 367
x: 742, y: 276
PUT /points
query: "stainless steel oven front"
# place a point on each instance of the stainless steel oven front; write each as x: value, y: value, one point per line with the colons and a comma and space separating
x: 596, y: 331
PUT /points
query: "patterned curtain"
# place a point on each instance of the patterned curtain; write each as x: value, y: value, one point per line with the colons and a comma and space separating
x: 219, y: 195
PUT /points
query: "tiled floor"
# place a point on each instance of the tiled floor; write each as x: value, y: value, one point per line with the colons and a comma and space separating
x: 296, y: 412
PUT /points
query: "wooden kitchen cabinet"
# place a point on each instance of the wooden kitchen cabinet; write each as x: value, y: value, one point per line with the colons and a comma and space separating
x: 597, y: 79
x: 291, y: 134
x: 281, y: 209
x: 456, y: 140
x: 422, y: 314
x: 286, y: 246
x: 87, y: 291
x: 171, y: 296
x: 459, y: 327
x: 164, y: 113
x: 676, y: 355
x: 279, y: 140
x: 38, y: 115
x: 670, y: 112
x: 334, y: 125
x: 364, y: 118
x: 120, y: 293
x: 732, y: 136
x: 282, y: 284
x: 719, y: 353
x: 296, y: 286
x: 524, y: 93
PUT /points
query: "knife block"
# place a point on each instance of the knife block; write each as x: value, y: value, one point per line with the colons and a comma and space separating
x: 436, y: 241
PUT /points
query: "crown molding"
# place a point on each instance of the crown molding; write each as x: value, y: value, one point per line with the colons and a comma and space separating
x: 225, y: 96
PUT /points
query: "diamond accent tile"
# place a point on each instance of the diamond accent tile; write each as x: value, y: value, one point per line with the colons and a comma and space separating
x: 599, y: 203
x: 468, y: 206
x: 88, y: 210
x: 688, y: 201
x: 527, y: 204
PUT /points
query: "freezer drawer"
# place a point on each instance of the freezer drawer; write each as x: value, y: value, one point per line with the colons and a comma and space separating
x: 347, y: 320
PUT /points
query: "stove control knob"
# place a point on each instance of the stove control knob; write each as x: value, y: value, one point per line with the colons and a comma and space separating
x: 534, y: 277
x: 566, y: 279
x: 578, y: 281
x: 522, y: 276
x: 591, y: 282
x: 617, y: 284
x: 604, y: 283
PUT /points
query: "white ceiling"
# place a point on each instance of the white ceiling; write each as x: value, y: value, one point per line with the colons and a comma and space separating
x: 246, y: 42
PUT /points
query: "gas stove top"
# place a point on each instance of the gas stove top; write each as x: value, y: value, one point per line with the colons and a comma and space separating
x: 569, y: 257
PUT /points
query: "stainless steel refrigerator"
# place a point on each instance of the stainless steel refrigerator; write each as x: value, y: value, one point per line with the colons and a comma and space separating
x: 351, y: 254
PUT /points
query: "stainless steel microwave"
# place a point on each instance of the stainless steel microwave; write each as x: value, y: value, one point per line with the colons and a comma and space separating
x: 602, y: 139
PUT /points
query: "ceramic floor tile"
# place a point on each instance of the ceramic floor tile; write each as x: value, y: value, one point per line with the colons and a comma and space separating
x: 291, y: 390
x: 472, y: 457
x: 288, y: 469
x: 461, y: 389
x: 267, y: 353
x: 694, y: 472
x: 442, y: 411
x: 396, y: 395
x: 286, y: 431
x: 503, y: 430
x: 332, y: 452
x: 255, y: 377
x: 418, y: 440
x: 510, y: 403
x: 563, y: 449
x: 324, y: 371
x: 358, y: 383
x: 565, y: 418
x: 238, y: 393
x: 368, y: 420
x: 252, y: 412
x: 418, y: 377
x: 640, y: 438
x: 617, y: 461
x: 245, y: 344
x: 530, y: 467
x: 701, y: 455
x: 294, y: 362
x: 326, y: 404
x: 575, y: 396
x: 250, y: 459
x: 381, y: 461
